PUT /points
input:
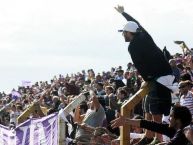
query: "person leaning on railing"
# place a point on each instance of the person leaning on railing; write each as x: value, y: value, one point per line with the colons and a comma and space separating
x: 151, y: 64
x: 180, y: 117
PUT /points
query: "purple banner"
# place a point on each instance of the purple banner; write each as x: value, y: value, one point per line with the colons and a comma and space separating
x: 7, y: 136
x: 43, y: 131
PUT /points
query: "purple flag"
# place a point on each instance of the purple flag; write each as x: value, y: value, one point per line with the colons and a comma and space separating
x: 43, y: 131
x: 15, y: 95
x: 7, y: 137
x: 26, y: 83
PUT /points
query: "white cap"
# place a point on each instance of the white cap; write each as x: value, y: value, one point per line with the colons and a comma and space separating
x: 131, y: 26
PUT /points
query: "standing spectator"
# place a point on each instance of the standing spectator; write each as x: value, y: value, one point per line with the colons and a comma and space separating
x: 119, y: 75
x: 13, y: 115
x: 130, y: 66
x: 121, y: 98
x: 110, y: 98
x: 98, y: 78
x: 175, y: 69
x: 186, y: 98
x: 94, y: 117
x: 153, y: 67
x: 99, y: 89
x: 111, y: 106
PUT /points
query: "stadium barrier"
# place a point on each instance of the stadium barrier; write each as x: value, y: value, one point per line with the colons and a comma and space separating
x: 128, y: 107
x: 42, y: 131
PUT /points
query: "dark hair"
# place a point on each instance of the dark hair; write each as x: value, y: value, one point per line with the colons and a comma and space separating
x: 19, y: 107
x: 55, y: 93
x: 25, y: 101
x: 110, y: 88
x: 123, y: 92
x: 182, y: 113
x: 133, y: 33
x: 180, y: 66
x: 185, y: 76
x: 84, y: 106
x: 111, y: 80
x: 100, y: 84
x: 87, y: 81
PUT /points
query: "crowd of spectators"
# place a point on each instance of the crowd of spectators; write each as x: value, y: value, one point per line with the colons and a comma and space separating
x: 90, y: 122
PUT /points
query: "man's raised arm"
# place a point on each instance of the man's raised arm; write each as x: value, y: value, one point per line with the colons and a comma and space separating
x: 120, y: 9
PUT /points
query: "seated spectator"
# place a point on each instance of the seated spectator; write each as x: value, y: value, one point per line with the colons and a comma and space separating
x: 99, y: 89
x: 188, y: 131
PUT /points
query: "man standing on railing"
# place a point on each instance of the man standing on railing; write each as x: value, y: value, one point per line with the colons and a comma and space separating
x: 154, y: 68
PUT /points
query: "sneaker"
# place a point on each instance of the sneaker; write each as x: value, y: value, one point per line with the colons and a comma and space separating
x: 144, y: 141
x: 154, y: 142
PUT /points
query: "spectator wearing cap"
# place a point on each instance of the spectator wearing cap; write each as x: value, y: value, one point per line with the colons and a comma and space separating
x: 151, y: 64
x: 186, y: 98
x: 119, y: 75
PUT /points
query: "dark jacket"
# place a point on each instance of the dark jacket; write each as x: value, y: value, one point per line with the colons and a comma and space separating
x: 177, y: 137
x: 148, y: 59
